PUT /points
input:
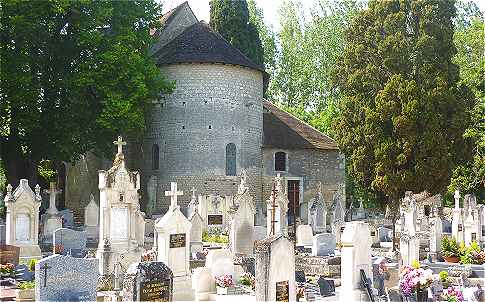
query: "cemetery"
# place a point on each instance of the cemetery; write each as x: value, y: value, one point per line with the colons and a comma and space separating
x: 205, y: 161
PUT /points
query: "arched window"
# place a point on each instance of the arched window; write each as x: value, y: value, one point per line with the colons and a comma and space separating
x: 280, y: 161
x: 155, y: 157
x: 231, y: 159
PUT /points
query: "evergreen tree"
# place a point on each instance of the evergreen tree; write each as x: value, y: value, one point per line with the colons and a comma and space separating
x: 403, y: 111
x: 74, y: 75
x: 231, y: 20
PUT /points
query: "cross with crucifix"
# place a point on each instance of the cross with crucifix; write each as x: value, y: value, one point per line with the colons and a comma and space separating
x: 120, y: 143
x: 173, y: 193
x: 45, y: 267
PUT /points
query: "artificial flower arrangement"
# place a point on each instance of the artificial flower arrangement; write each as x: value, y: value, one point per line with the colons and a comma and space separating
x: 149, y: 255
x: 247, y: 279
x: 453, y: 294
x: 7, y: 270
x: 223, y: 282
x: 414, y: 279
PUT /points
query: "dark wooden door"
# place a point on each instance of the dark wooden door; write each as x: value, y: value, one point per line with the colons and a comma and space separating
x: 294, y: 200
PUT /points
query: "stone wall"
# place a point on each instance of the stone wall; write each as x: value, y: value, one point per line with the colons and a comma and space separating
x: 310, y: 166
x: 213, y: 105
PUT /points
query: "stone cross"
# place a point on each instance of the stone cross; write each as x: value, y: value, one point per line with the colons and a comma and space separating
x: 457, y: 199
x: 45, y: 267
x: 120, y: 143
x: 9, y: 192
x: 278, y: 180
x: 37, y: 192
x: 173, y: 193
x: 52, y: 198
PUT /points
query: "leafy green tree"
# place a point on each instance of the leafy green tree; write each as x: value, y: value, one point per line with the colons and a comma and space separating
x: 469, y: 39
x: 74, y: 75
x: 310, y: 47
x: 402, y: 112
x: 231, y: 20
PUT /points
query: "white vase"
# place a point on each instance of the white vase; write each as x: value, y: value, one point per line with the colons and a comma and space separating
x: 221, y: 290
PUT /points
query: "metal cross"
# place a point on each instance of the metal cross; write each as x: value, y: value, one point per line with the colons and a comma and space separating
x: 173, y: 193
x: 45, y: 267
x: 120, y: 143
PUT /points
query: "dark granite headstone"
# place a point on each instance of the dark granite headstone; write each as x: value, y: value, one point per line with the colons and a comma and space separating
x: 3, y: 234
x: 67, y: 218
x: 327, y: 287
x: 9, y: 254
x: 22, y: 273
x: 64, y: 278
x: 148, y: 281
x: 300, y: 276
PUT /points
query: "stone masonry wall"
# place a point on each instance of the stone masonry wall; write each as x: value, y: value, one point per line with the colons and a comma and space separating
x: 213, y: 105
x: 311, y: 166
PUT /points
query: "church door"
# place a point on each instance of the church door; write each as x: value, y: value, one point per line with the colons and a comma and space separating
x: 294, y: 200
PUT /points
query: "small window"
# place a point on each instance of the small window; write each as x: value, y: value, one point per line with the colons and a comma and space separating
x: 210, y: 127
x: 280, y: 161
x: 231, y: 159
x: 155, y: 157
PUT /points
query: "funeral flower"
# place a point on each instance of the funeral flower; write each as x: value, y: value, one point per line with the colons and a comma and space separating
x: 414, y: 278
x: 453, y: 294
x: 224, y: 281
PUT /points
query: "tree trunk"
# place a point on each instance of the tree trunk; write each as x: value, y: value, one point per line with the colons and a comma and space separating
x: 17, y: 166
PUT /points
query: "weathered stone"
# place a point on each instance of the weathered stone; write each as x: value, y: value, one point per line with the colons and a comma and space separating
x: 148, y: 281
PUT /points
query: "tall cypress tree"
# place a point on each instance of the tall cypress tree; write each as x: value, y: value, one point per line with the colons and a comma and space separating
x: 403, y: 111
x: 231, y: 19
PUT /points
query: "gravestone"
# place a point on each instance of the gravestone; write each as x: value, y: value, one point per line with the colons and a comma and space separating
x: 203, y: 283
x: 91, y: 219
x: 51, y: 220
x: 73, y: 242
x: 324, y: 244
x: 304, y: 235
x: 148, y: 281
x: 327, y: 287
x: 374, y: 235
x: 3, y: 233
x: 67, y: 218
x: 197, y: 224
x: 355, y: 256
x: 384, y: 234
x: 121, y: 222
x: 64, y: 278
x: 457, y: 230
x: 242, y: 224
x: 436, y: 235
x: 470, y: 233
x: 409, y: 242
x: 9, y: 254
x: 300, y: 277
x: 361, y: 211
x: 173, y: 245
x: 221, y: 262
x: 23, y: 219
x: 318, y: 213
x: 275, y: 269
x: 447, y: 226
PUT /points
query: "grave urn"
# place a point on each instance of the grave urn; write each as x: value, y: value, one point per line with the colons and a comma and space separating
x: 452, y: 259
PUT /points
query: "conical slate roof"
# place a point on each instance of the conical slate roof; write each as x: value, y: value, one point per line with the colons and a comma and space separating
x: 201, y: 44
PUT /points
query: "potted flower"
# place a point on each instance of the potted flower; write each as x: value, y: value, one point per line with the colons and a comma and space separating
x: 444, y: 278
x: 149, y: 255
x: 247, y: 279
x: 453, y: 294
x: 223, y: 282
x: 7, y: 270
x: 414, y: 282
x: 25, y: 291
x: 450, y: 250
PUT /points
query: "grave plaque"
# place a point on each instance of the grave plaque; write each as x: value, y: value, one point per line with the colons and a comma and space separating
x: 156, y: 291
x: 177, y: 240
x: 372, y: 233
x: 9, y: 254
x: 474, y: 236
x: 342, y: 229
x: 460, y: 228
x: 282, y: 291
x: 214, y: 219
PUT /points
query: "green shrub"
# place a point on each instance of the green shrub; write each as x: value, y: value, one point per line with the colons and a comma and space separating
x: 444, y: 276
x: 32, y: 263
x: 449, y: 247
x: 26, y: 285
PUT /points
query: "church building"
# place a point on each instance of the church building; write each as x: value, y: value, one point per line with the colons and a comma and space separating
x: 216, y: 123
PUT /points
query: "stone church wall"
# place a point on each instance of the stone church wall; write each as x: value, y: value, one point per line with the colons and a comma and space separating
x: 312, y: 166
x: 212, y: 105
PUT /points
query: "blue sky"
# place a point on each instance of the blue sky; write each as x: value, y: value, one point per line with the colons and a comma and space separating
x: 270, y: 8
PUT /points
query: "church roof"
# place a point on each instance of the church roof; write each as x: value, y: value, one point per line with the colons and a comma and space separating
x: 285, y: 131
x: 201, y: 44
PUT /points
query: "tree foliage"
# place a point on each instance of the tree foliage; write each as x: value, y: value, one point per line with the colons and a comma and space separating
x: 75, y: 74
x: 402, y: 111
x: 469, y: 39
x: 231, y: 20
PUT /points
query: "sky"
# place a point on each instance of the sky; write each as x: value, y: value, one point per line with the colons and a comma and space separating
x: 270, y: 8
